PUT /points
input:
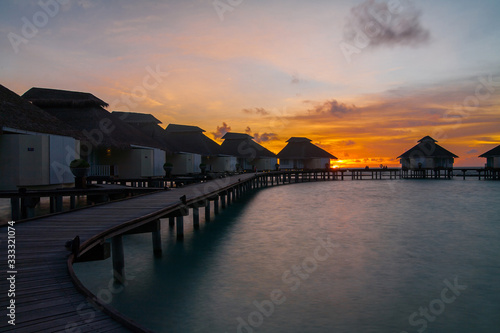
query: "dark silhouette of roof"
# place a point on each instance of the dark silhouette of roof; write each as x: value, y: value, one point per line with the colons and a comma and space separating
x: 100, y: 127
x: 190, y: 139
x: 137, y: 118
x: 492, y: 152
x: 302, y: 148
x: 236, y: 136
x: 241, y: 145
x: 148, y: 125
x: 44, y: 97
x: 427, y: 147
x: 427, y: 138
x: 174, y: 128
x: 18, y: 113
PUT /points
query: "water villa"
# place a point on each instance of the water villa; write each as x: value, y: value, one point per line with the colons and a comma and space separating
x: 250, y: 155
x: 492, y: 158
x: 193, y: 149
x: 111, y: 146
x: 492, y: 165
x: 300, y: 153
x: 427, y: 159
x: 35, y: 147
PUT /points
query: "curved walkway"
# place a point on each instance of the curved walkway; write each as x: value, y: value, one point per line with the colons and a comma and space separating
x: 46, y: 299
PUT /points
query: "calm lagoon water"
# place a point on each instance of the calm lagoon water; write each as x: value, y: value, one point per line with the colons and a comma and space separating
x: 353, y: 256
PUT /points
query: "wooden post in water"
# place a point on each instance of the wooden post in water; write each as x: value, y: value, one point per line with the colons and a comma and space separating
x: 216, y: 205
x: 196, y: 217
x: 118, y: 259
x: 207, y: 212
x: 180, y: 226
x: 223, y: 199
x: 156, y: 237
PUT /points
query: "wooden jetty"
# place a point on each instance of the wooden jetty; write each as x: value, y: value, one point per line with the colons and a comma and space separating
x: 45, y: 295
x: 44, y: 281
x: 46, y: 292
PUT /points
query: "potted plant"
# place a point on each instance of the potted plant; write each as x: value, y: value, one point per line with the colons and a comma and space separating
x: 203, y: 167
x: 79, y: 167
x: 168, y: 168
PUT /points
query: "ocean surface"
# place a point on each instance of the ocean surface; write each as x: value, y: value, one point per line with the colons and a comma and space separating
x: 346, y: 256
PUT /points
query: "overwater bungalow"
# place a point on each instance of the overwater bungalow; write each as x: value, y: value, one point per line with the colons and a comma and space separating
x: 427, y: 154
x: 300, y: 153
x: 427, y: 159
x: 192, y: 148
x: 250, y: 155
x: 111, y: 146
x: 492, y: 158
x: 36, y: 148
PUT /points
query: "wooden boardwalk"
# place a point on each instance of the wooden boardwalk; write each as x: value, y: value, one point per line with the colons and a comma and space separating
x: 49, y: 298
x: 46, y: 299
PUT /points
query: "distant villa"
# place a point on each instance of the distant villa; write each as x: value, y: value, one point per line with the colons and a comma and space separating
x: 427, y: 154
x: 492, y: 158
x: 300, y: 153
x: 250, y: 154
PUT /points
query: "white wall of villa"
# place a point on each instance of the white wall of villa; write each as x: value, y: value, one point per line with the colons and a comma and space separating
x: 36, y: 160
x: 185, y: 163
x: 266, y: 163
x: 311, y: 163
x: 317, y: 163
x: 493, y: 162
x: 222, y: 164
x: 138, y: 162
x: 291, y: 164
x: 427, y: 162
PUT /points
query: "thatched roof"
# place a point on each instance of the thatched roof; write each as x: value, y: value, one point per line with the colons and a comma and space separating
x: 44, y: 97
x: 174, y: 128
x: 190, y: 139
x: 236, y: 136
x: 148, y: 125
x: 19, y: 114
x: 427, y: 147
x: 492, y: 152
x: 100, y: 127
x: 137, y: 118
x: 241, y: 145
x: 302, y: 148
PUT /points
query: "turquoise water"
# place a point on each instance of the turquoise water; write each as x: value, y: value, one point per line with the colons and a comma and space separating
x: 352, y: 256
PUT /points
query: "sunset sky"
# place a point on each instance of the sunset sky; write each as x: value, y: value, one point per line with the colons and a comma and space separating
x: 363, y: 79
